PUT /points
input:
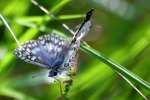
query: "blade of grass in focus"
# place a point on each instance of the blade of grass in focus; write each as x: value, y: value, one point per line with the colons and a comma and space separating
x: 117, y: 67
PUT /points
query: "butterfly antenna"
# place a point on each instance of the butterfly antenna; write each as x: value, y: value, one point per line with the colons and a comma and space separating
x: 10, y: 30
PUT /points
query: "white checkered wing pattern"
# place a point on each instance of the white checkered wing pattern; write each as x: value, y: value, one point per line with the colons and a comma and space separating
x: 47, y: 51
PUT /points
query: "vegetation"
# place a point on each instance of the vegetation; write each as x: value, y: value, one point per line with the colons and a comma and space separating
x: 123, y: 73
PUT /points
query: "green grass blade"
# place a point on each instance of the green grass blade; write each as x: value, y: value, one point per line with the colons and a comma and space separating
x: 68, y: 17
x: 14, y: 94
x: 117, y: 67
x: 133, y: 86
x: 59, y: 6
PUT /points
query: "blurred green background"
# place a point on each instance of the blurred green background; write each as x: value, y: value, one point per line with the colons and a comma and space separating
x: 121, y: 31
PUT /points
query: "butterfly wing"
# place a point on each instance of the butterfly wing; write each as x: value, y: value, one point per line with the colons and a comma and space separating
x: 47, y: 51
x: 84, y: 27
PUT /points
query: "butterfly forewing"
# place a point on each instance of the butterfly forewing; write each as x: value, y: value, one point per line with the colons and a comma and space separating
x: 47, y: 51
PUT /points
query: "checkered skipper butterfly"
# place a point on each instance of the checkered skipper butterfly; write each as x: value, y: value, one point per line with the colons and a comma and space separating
x: 54, y: 52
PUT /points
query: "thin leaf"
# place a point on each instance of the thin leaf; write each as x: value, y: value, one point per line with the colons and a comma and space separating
x: 117, y: 67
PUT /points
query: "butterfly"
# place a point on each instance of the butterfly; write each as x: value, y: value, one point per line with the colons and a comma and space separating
x: 54, y: 52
